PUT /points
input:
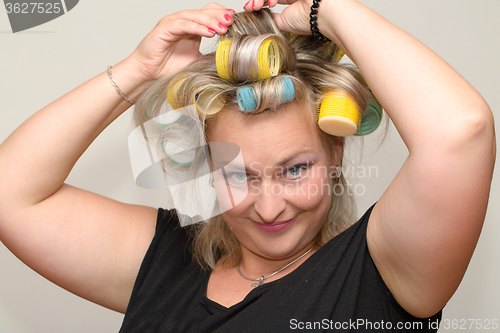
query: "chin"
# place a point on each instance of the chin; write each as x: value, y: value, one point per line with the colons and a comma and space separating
x: 298, y: 235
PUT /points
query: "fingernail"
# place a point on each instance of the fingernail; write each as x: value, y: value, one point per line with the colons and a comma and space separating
x: 212, y: 31
x: 253, y: 4
x: 246, y: 4
x: 228, y: 17
x: 230, y: 10
x: 222, y: 26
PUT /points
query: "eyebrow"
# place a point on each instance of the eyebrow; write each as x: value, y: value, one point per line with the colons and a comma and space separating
x: 281, y: 162
x: 293, y: 155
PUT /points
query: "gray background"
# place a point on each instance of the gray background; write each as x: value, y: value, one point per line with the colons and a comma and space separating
x: 25, y: 16
x: 41, y: 64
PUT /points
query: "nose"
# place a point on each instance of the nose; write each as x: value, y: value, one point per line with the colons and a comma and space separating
x: 270, y: 201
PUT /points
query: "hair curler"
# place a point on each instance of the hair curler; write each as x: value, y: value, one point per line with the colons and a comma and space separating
x: 247, y: 98
x: 338, y: 114
x: 261, y: 59
x: 209, y: 102
x: 371, y: 119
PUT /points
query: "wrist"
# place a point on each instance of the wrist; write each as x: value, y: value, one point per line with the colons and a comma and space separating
x: 129, y: 79
x: 313, y: 21
x: 329, y: 18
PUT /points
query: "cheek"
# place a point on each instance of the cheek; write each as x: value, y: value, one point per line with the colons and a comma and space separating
x: 310, y: 194
x: 233, y: 218
x: 230, y: 197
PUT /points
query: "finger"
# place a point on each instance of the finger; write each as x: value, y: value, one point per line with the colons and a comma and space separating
x: 277, y: 19
x: 214, y: 19
x: 213, y: 5
x: 222, y: 19
x: 254, y: 5
x: 179, y: 28
x: 285, y: 26
x: 216, y: 6
x: 258, y: 4
x: 248, y: 6
x: 271, y: 3
x: 286, y: 2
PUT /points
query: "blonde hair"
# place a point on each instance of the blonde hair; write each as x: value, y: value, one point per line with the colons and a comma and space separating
x: 313, y: 68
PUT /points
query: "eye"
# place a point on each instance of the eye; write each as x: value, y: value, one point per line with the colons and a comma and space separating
x: 237, y: 178
x: 240, y: 176
x: 296, y: 171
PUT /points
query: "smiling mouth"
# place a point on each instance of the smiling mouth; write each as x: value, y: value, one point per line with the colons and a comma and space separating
x: 274, y: 227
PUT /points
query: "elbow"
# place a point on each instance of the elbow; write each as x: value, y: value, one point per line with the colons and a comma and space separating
x: 481, y: 124
x: 482, y: 132
x: 475, y: 134
x: 466, y: 140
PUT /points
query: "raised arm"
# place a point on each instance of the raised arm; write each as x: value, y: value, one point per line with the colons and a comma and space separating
x: 424, y: 228
x: 88, y: 244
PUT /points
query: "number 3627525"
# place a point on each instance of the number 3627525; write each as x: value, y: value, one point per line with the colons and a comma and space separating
x: 33, y: 7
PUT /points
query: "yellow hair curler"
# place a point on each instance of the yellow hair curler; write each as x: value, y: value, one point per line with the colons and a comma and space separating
x: 264, y: 63
x: 209, y: 102
x: 268, y: 59
x: 222, y: 58
x: 338, y: 114
x: 172, y: 94
x: 340, y: 55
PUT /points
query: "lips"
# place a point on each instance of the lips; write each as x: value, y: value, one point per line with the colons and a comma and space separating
x: 273, y: 227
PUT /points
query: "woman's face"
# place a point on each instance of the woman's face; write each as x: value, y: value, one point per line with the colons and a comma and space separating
x: 287, y: 177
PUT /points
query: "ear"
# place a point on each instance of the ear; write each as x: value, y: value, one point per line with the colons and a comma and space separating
x: 338, y: 150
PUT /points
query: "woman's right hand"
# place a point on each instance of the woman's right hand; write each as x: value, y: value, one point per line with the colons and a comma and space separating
x: 175, y: 41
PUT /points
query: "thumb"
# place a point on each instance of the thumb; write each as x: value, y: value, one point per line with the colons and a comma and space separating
x: 293, y: 20
x: 278, y: 20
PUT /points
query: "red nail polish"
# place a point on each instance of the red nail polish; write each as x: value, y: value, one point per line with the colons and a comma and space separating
x: 253, y: 4
x: 222, y: 26
x: 228, y: 17
x: 246, y: 4
x: 231, y: 10
x: 212, y: 31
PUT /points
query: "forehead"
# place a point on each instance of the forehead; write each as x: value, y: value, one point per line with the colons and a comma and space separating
x: 267, y: 137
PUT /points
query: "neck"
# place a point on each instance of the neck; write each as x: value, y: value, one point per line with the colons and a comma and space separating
x: 254, y: 265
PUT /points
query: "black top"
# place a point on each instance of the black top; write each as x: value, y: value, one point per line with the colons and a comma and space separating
x: 338, y: 288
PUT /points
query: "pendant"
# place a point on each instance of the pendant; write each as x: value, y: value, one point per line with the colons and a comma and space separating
x: 258, y: 283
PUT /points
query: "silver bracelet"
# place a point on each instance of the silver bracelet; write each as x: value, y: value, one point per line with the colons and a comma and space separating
x: 116, y: 86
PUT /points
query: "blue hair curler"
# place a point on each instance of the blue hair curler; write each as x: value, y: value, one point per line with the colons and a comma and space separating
x: 247, y: 98
x: 289, y: 91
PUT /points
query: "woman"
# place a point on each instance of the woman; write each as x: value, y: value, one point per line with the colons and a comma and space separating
x: 408, y: 231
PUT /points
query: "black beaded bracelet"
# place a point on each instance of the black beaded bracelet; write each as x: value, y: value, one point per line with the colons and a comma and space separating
x: 314, y: 23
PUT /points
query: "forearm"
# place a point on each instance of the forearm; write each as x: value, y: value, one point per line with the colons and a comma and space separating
x: 428, y: 101
x: 37, y: 157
